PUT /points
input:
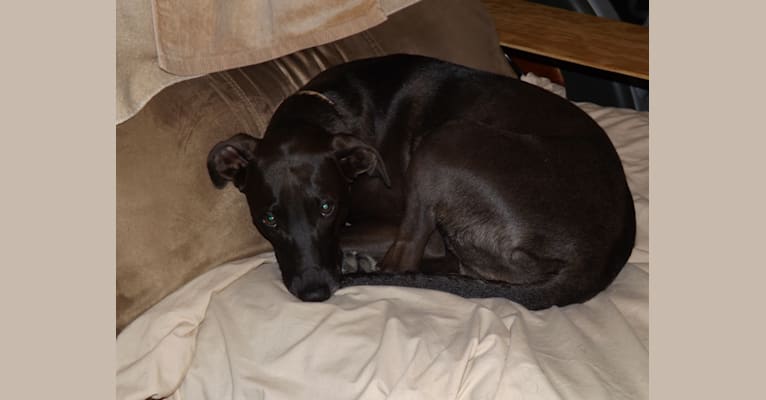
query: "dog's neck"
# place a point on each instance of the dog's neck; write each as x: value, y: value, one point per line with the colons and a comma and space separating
x: 319, y: 109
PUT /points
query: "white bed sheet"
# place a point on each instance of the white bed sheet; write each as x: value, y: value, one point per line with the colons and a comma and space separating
x: 236, y: 333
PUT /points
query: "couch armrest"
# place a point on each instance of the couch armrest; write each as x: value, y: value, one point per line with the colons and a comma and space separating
x: 568, y: 36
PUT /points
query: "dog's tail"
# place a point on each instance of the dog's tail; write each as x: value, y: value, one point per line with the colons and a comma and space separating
x: 531, y: 296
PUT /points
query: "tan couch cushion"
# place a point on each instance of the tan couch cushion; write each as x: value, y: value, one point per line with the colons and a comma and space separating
x: 172, y: 225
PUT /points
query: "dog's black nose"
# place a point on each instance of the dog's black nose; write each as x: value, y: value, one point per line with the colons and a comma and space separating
x: 318, y: 293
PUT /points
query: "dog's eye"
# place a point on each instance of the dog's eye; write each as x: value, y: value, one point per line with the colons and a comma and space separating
x: 326, y: 207
x: 269, y: 220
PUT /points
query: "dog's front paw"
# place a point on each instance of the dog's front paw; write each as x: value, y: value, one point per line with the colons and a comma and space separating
x: 349, y: 264
x: 367, y: 263
x: 357, y: 262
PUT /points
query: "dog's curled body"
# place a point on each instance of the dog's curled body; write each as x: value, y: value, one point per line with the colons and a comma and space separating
x: 524, y: 189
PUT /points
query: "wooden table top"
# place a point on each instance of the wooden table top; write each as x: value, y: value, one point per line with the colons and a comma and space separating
x: 569, y: 36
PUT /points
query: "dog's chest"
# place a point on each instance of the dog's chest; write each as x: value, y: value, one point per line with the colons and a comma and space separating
x: 370, y: 198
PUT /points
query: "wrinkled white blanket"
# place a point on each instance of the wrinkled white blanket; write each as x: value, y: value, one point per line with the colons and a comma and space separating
x: 236, y: 333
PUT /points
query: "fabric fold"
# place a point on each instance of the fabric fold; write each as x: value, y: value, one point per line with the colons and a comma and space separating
x: 161, y: 42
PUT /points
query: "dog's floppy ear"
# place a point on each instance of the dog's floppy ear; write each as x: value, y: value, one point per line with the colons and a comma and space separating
x: 355, y: 157
x: 227, y: 160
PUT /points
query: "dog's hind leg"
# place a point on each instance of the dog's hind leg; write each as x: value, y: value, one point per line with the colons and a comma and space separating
x: 418, y: 224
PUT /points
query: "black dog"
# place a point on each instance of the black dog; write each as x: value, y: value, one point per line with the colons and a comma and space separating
x: 421, y: 165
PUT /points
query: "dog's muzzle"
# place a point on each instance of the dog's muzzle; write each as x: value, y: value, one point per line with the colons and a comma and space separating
x: 315, y: 284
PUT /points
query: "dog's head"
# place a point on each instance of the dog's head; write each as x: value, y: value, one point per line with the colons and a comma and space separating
x: 298, y: 192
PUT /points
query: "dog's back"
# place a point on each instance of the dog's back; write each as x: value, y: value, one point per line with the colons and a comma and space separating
x: 418, y: 93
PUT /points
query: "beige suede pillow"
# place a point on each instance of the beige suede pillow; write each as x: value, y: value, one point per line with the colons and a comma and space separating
x: 172, y: 225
